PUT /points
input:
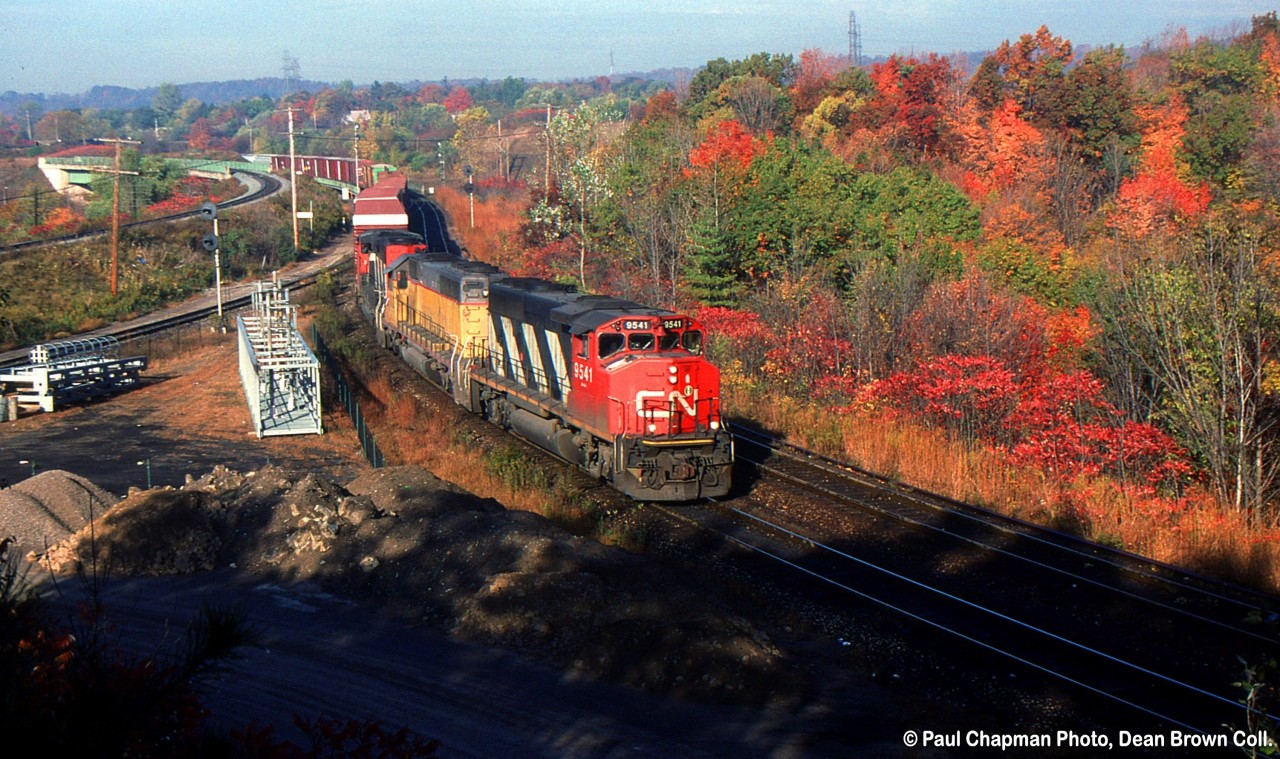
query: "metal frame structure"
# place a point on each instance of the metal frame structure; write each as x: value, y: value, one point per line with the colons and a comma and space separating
x: 74, y: 370
x: 279, y: 373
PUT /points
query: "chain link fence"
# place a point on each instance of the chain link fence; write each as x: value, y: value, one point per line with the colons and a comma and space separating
x: 347, y: 397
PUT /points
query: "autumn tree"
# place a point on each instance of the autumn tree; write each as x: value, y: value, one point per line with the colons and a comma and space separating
x: 1161, y: 193
x: 1031, y: 72
x: 200, y: 136
x: 458, y: 100
x: 717, y: 174
x: 580, y: 165
x: 911, y: 100
x: 1200, y: 328
x: 1217, y: 83
x: 815, y: 74
x: 472, y: 138
x: 753, y: 101
x: 650, y: 200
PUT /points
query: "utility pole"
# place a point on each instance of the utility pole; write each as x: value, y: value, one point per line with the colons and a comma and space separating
x: 293, y: 182
x: 546, y: 187
x: 115, y: 213
x: 356, y: 173
x: 502, y: 154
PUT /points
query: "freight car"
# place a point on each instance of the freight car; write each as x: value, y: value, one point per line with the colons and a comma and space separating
x: 618, y: 388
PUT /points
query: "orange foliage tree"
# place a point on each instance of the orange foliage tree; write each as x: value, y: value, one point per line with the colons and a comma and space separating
x: 999, y: 151
x: 1158, y: 195
x: 1022, y: 71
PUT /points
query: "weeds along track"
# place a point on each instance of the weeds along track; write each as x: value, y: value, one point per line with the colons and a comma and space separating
x: 1110, y: 627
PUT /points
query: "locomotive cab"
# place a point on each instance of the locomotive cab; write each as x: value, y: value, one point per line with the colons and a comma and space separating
x: 659, y: 400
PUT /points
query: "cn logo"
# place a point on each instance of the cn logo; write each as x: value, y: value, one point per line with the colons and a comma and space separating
x: 655, y: 411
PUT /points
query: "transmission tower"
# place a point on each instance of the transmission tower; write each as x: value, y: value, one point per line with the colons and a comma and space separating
x: 855, y: 41
x: 290, y: 69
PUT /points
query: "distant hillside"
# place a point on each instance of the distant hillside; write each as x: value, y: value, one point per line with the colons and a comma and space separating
x: 127, y: 98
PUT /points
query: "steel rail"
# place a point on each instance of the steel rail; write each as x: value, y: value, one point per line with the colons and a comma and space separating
x: 1125, y: 561
x: 1023, y: 558
x: 950, y: 631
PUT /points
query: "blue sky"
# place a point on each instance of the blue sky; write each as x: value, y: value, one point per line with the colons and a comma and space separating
x: 70, y: 45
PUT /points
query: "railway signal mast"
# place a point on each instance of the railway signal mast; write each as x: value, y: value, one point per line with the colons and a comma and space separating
x: 208, y: 210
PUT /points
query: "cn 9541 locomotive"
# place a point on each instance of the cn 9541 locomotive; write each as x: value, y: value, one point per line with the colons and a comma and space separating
x: 620, y: 389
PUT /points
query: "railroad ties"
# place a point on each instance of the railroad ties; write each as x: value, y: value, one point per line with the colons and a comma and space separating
x: 70, y: 371
x: 279, y: 373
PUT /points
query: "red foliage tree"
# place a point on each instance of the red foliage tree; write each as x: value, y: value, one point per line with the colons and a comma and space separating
x: 727, y: 143
x: 431, y: 93
x: 747, y: 337
x: 200, y: 136
x: 999, y: 151
x: 458, y: 100
x: 814, y: 74
x: 661, y: 106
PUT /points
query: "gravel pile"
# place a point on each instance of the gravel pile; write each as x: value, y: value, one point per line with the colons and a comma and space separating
x: 48, y: 508
x: 419, y: 547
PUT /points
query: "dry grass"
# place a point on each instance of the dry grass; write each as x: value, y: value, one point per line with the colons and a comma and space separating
x: 496, y: 234
x: 411, y: 433
x: 1193, y: 531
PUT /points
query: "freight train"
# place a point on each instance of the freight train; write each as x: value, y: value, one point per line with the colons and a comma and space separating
x: 620, y: 389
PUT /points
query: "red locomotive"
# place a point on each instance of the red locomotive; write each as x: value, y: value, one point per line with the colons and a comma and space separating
x: 620, y: 389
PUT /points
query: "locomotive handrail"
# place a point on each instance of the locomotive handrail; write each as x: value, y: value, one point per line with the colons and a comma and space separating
x: 703, y: 415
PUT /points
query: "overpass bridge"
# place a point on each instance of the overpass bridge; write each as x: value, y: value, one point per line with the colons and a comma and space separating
x: 66, y: 171
x: 332, y: 171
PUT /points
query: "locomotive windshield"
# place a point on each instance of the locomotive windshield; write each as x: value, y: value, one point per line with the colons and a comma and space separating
x: 640, y: 341
x: 612, y: 343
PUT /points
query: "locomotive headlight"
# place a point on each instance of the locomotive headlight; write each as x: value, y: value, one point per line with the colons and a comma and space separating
x: 715, y: 425
x: 652, y: 427
x: 672, y: 379
x: 672, y: 369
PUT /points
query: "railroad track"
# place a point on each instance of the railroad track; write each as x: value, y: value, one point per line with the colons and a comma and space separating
x: 180, y: 316
x: 263, y: 185
x: 1109, y: 626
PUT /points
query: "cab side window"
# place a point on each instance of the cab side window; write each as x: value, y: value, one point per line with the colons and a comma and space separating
x: 610, y: 343
x: 692, y: 341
